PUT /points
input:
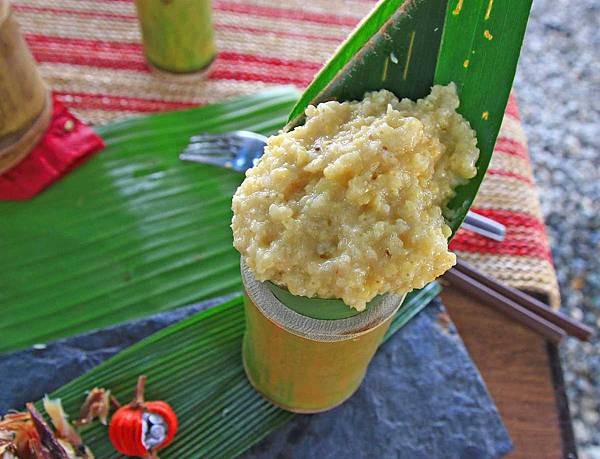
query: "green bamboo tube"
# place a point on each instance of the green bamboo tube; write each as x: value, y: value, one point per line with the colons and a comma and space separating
x: 307, y: 365
x: 178, y: 35
x: 24, y: 100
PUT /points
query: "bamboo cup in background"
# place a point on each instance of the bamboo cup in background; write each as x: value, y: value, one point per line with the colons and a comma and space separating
x: 303, y: 364
x: 25, y: 108
x: 177, y: 34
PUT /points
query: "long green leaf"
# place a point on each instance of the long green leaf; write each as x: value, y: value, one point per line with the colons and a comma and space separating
x: 479, y: 52
x: 132, y: 232
x: 394, y: 48
x: 397, y: 47
x: 196, y: 366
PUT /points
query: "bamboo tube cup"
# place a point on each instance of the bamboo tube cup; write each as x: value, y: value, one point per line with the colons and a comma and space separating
x: 25, y: 108
x: 307, y: 365
x: 178, y: 35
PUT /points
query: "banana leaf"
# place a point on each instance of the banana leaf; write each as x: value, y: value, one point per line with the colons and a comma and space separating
x: 132, y: 232
x: 406, y: 46
x: 196, y: 366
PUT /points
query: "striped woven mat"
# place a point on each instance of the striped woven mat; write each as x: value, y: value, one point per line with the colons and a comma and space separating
x: 90, y: 54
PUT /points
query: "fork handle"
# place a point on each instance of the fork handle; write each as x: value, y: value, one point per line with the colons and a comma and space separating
x: 484, y: 226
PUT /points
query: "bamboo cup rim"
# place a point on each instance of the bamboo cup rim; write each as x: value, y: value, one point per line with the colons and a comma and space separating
x: 317, y: 329
x: 181, y: 77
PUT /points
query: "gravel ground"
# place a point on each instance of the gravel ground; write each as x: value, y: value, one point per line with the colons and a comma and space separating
x: 558, y: 86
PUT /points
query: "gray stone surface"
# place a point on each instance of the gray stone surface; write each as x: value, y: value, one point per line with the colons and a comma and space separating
x: 558, y: 87
x: 422, y: 398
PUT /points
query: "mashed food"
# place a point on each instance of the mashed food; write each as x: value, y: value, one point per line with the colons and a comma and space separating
x: 349, y: 205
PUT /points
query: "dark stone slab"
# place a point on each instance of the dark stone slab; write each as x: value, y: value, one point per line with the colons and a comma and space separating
x: 422, y: 398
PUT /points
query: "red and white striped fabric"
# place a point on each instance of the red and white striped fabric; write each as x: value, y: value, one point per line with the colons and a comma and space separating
x: 91, y: 55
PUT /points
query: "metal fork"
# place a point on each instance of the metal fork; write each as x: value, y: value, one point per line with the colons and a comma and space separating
x: 237, y: 150
x: 240, y: 150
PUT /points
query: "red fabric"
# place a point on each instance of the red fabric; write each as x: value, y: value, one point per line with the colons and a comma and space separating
x: 60, y: 151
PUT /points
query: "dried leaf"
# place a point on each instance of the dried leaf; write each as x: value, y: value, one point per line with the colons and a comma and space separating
x: 16, y: 429
x: 7, y: 444
x: 66, y: 433
x: 96, y: 405
x: 48, y: 443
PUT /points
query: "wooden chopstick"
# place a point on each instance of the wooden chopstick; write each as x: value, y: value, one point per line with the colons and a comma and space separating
x: 570, y: 326
x: 509, y: 307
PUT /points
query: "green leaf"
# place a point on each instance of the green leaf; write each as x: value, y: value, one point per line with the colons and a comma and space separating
x: 407, y: 46
x: 479, y: 52
x: 414, y: 302
x: 394, y: 48
x: 196, y: 366
x: 318, y: 308
x: 132, y: 232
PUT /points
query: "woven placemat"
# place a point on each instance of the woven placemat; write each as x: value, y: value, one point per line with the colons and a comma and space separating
x: 91, y: 56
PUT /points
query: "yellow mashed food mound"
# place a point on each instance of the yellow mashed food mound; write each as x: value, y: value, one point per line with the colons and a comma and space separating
x: 349, y: 205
